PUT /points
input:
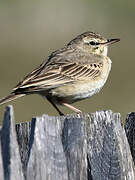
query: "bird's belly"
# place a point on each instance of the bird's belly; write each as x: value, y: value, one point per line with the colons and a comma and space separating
x: 73, y: 92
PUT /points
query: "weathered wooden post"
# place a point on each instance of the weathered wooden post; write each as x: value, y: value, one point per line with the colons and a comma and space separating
x: 73, y: 147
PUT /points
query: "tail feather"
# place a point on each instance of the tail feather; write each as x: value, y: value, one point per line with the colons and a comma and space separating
x: 10, y: 98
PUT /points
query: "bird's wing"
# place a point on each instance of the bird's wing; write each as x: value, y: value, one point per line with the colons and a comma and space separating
x: 59, y: 71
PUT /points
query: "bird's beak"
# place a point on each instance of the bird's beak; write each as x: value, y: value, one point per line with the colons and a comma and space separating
x: 111, y: 41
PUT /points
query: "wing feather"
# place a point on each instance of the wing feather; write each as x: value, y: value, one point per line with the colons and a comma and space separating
x: 83, y: 72
x: 58, y: 71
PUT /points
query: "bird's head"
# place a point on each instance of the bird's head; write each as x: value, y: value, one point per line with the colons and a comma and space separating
x: 92, y: 43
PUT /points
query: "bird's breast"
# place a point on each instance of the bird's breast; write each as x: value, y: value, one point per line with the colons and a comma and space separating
x: 78, y: 90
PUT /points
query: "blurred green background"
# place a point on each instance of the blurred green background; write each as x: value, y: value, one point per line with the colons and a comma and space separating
x: 30, y: 30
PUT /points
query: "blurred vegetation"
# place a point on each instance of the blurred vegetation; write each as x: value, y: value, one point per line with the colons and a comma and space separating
x: 32, y: 29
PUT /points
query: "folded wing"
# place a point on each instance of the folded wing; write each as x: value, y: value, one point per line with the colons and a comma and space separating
x: 58, y: 73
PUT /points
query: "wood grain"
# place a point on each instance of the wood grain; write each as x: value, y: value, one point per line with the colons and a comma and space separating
x: 74, y: 147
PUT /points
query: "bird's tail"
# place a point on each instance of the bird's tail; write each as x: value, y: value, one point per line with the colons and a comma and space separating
x: 10, y: 98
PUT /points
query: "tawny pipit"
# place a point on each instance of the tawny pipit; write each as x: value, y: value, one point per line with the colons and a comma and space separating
x: 75, y: 72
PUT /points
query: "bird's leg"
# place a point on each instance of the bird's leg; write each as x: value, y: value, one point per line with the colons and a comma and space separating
x: 60, y: 113
x: 72, y: 108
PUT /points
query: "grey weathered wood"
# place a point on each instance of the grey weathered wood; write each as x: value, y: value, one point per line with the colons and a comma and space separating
x: 130, y: 132
x: 23, y: 139
x: 10, y: 153
x: 47, y: 159
x: 58, y: 143
x: 108, y: 149
x: 74, y: 142
x: 86, y: 147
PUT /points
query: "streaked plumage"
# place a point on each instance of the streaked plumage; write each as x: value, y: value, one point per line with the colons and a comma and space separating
x: 72, y: 73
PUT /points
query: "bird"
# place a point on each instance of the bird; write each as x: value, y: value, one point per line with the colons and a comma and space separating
x: 73, y: 73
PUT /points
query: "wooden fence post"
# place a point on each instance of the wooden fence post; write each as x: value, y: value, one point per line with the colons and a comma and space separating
x: 73, y: 147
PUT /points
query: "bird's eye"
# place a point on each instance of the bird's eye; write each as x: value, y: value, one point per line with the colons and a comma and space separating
x: 93, y: 43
